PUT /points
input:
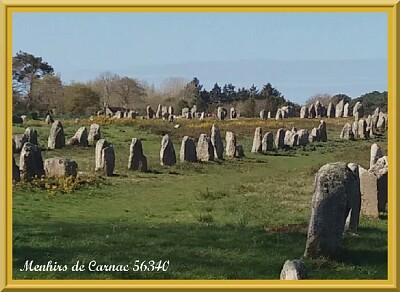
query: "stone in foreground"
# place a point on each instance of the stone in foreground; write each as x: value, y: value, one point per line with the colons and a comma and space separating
x: 293, y: 270
x: 60, y: 167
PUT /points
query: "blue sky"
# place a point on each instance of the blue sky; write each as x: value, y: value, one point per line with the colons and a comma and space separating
x: 301, y: 54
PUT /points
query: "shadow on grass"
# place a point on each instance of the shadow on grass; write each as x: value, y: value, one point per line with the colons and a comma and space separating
x: 195, y: 251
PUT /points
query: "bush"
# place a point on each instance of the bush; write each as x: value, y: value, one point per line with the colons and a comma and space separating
x: 17, y: 119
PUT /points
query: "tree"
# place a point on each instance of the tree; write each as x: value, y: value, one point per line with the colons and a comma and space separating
x: 372, y: 100
x: 26, y: 69
x: 191, y: 92
x: 338, y: 97
x: 216, y: 94
x: 105, y: 85
x: 47, y: 94
x: 253, y: 92
x: 273, y: 98
x: 129, y: 91
x: 81, y: 99
x: 323, y: 98
x: 228, y: 92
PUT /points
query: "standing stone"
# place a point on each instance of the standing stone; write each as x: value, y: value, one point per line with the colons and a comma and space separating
x: 230, y: 140
x: 19, y: 140
x: 167, y: 152
x: 339, y: 109
x: 318, y: 109
x: 220, y: 113
x: 137, y: 160
x: 278, y: 115
x: 119, y: 115
x: 185, y: 112
x: 202, y: 116
x: 303, y: 137
x: 331, y: 111
x: 49, y: 120
x: 80, y: 138
x: 280, y: 139
x: 188, y: 150
x: 283, y: 113
x: 158, y: 112
x: 380, y: 169
x: 56, y: 138
x: 369, y: 193
x: 257, y: 141
x: 94, y: 134
x: 216, y: 141
x: 149, y: 112
x: 24, y: 118
x: 30, y: 161
x: 193, y: 111
x: 346, y: 110
x: 381, y: 123
x: 15, y: 171
x: 239, y: 152
x: 288, y: 138
x: 354, y: 128
x: 171, y: 118
x: 335, y: 194
x: 233, y: 113
x: 293, y: 270
x: 164, y: 112
x: 263, y: 114
x: 354, y: 214
x: 347, y: 132
x: 31, y: 136
x: 269, y: 115
x: 358, y: 110
x: 267, y: 142
x: 303, y: 112
x: 322, y: 131
x: 105, y: 157
x: 171, y: 110
x: 314, y: 136
x: 324, y: 111
x: 362, y: 129
x: 375, y: 154
x: 132, y: 115
x: 60, y: 167
x: 311, y: 111
x: 205, y: 149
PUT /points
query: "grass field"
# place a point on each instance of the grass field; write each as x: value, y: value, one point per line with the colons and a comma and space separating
x: 230, y: 219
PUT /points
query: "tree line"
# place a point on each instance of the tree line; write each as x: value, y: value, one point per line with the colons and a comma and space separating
x: 36, y: 88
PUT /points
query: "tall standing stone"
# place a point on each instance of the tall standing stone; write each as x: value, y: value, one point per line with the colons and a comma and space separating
x: 369, y: 193
x: 56, y: 138
x: 280, y: 139
x: 303, y: 137
x: 205, y: 149
x: 137, y: 160
x: 216, y: 140
x: 30, y: 161
x: 279, y: 114
x: 311, y: 112
x: 358, y: 110
x: 380, y: 170
x: 230, y: 139
x: 167, y: 152
x: 233, y: 113
x: 318, y: 109
x: 375, y: 154
x: 31, y: 136
x: 257, y: 141
x: 335, y: 195
x: 303, y: 112
x: 94, y: 134
x: 263, y: 114
x: 158, y: 112
x: 354, y: 128
x: 188, y: 150
x: 267, y: 142
x: 314, y: 135
x: 362, y: 129
x: 105, y: 157
x: 331, y: 110
x: 60, y: 167
x: 171, y: 110
x: 346, y: 110
x: 149, y: 112
x: 322, y: 131
x: 269, y: 115
x: 339, y: 109
x: 354, y: 214
x: 16, y: 177
x: 347, y: 132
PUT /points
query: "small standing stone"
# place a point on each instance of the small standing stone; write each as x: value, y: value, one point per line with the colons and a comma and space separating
x: 60, y: 167
x: 346, y: 110
x: 167, y: 152
x: 347, y: 132
x: 30, y: 161
x: 315, y: 135
x: 322, y: 131
x: 257, y: 141
x: 280, y: 139
x: 94, y: 134
x: 80, y: 138
x: 263, y: 114
x: 303, y: 137
x: 331, y: 111
x: 267, y: 142
x: 303, y: 112
x: 137, y: 160
x: 362, y: 129
x: 56, y: 138
x: 216, y: 140
x: 149, y: 112
x: 375, y: 154
x: 311, y: 111
x: 339, y: 109
x: 230, y: 139
x: 205, y: 149
x: 188, y: 150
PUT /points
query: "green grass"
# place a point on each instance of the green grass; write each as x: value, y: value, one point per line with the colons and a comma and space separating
x: 208, y: 219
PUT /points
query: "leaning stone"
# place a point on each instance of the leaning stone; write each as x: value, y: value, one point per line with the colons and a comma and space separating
x: 60, y: 167
x: 216, y: 140
x: 167, y: 152
x: 205, y: 149
x: 339, y: 109
x: 19, y: 141
x: 80, y: 138
x: 335, y: 194
x: 280, y: 139
x: 267, y: 142
x: 257, y: 141
x: 56, y: 138
x: 347, y: 132
x: 188, y: 150
x: 293, y: 270
x: 375, y: 154
x: 230, y: 139
x: 358, y: 110
x: 346, y: 110
x: 137, y: 160
x: 30, y: 161
x: 94, y: 134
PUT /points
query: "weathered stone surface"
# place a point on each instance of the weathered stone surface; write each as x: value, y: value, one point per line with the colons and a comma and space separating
x: 339, y: 109
x: 322, y: 131
x: 267, y: 142
x: 269, y: 115
x: 314, y: 135
x: 257, y: 141
x: 193, y: 111
x: 15, y: 171
x: 280, y: 139
x: 354, y: 214
x: 358, y: 110
x: 263, y: 114
x: 279, y: 114
x: 119, y: 115
x: 188, y: 150
x: 362, y: 129
x: 105, y: 157
x: 233, y: 113
x: 318, y: 109
x: 230, y: 140
x: 30, y: 161
x: 216, y: 140
x: 354, y: 128
x: 80, y: 138
x: 293, y: 270
x: 171, y: 110
x: 239, y: 152
x: 49, y: 120
x: 158, y: 112
x: 380, y: 169
x: 56, y: 138
x: 369, y: 193
x: 303, y: 137
x: 31, y: 136
x: 346, y: 110
x: 303, y: 112
x: 288, y: 138
x: 335, y: 194
x: 204, y: 149
x: 375, y: 154
x: 311, y: 112
x: 331, y: 111
x: 167, y: 152
x: 19, y: 140
x: 60, y: 167
x: 94, y: 134
x: 347, y: 132
x: 137, y: 160
x: 149, y: 112
x: 381, y: 123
